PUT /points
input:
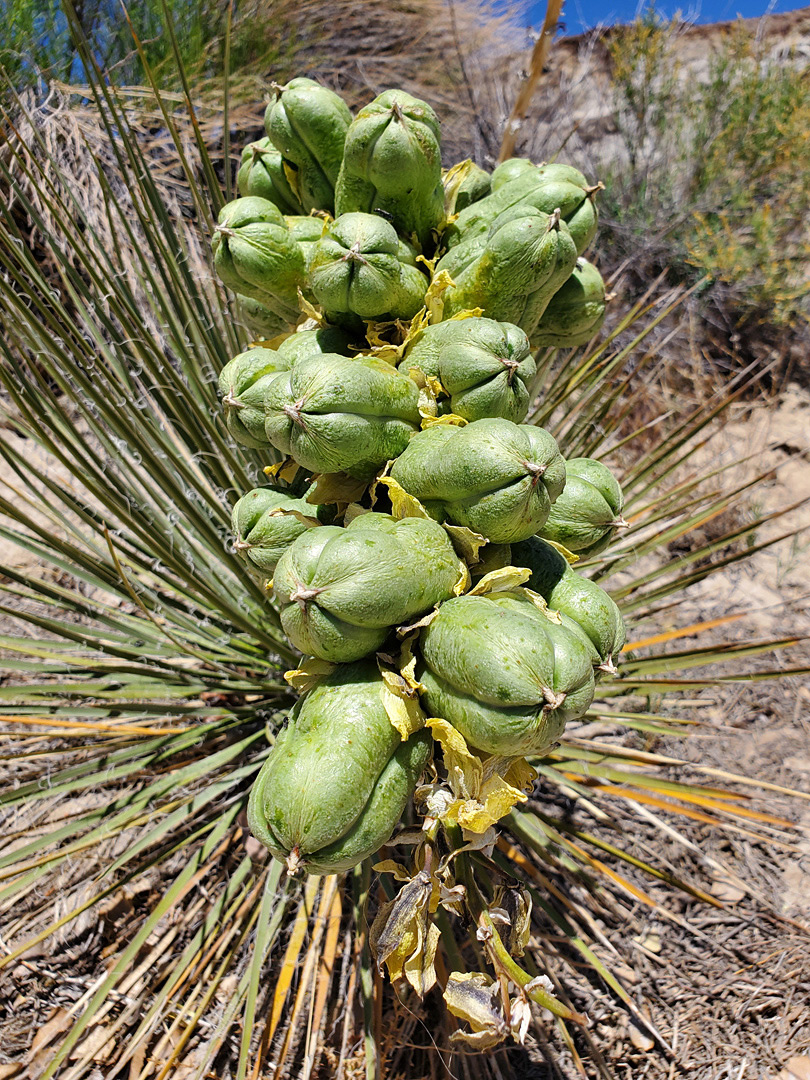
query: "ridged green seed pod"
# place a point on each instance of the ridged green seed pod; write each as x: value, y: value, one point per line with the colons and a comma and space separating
x: 340, y: 591
x: 527, y: 257
x: 566, y: 591
x: 502, y: 674
x: 546, y: 188
x: 509, y: 170
x: 485, y: 366
x: 260, y: 320
x: 356, y: 271
x: 341, y: 414
x: 585, y: 517
x: 306, y: 231
x: 262, y: 173
x: 492, y: 476
x: 575, y: 312
x: 464, y: 184
x: 307, y: 123
x: 242, y: 383
x: 326, y: 339
x: 338, y: 778
x: 255, y: 255
x: 392, y: 162
x: 264, y: 526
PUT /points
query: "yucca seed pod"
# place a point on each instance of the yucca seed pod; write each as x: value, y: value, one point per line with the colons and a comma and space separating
x: 340, y: 591
x: 255, y: 256
x: 546, y: 188
x: 464, y: 184
x: 308, y: 123
x: 338, y: 777
x: 262, y: 173
x: 357, y: 272
x: 575, y: 312
x: 502, y: 674
x: 334, y: 413
x: 585, y: 518
x: 526, y: 258
x: 306, y: 231
x: 242, y: 383
x: 264, y: 526
x: 492, y: 476
x: 392, y: 163
x: 325, y: 339
x: 260, y: 320
x: 485, y: 366
x: 571, y: 594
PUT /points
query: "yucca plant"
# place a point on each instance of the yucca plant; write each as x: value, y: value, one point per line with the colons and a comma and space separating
x: 145, y: 669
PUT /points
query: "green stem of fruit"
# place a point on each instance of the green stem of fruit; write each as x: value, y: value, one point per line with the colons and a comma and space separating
x: 505, y: 963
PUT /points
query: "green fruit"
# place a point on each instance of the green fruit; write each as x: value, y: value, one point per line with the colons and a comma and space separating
x: 356, y: 270
x: 326, y: 339
x: 464, y: 184
x: 264, y: 527
x: 341, y: 414
x: 484, y: 366
x: 392, y: 163
x: 306, y: 231
x: 262, y: 173
x: 492, y: 476
x: 255, y: 255
x: 585, y: 517
x: 526, y: 258
x: 242, y: 383
x: 338, y: 778
x: 546, y: 188
x: 260, y: 320
x: 575, y: 312
x: 566, y: 591
x: 502, y: 674
x: 509, y: 170
x: 307, y: 123
x: 340, y: 591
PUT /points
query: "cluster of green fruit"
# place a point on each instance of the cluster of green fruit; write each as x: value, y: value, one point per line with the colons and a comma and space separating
x: 409, y: 471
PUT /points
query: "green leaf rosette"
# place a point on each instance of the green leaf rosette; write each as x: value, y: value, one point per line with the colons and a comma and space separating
x: 503, y: 674
x: 392, y: 163
x: 584, y: 519
x: 255, y: 256
x: 326, y: 799
x: 336, y: 413
x: 340, y: 591
x: 360, y: 270
x: 513, y: 271
x: 307, y: 123
x: 485, y: 366
x: 492, y: 476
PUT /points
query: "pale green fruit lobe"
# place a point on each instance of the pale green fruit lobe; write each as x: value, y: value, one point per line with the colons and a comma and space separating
x: 340, y: 591
x: 264, y: 528
x: 358, y: 269
x: 585, y: 517
x: 336, y: 413
x: 484, y: 366
x: 575, y: 312
x: 492, y: 476
x: 255, y: 255
x: 262, y: 173
x: 242, y: 383
x: 307, y: 123
x: 338, y: 777
x: 392, y: 163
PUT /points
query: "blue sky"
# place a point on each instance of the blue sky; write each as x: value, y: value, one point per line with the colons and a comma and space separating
x: 579, y: 15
